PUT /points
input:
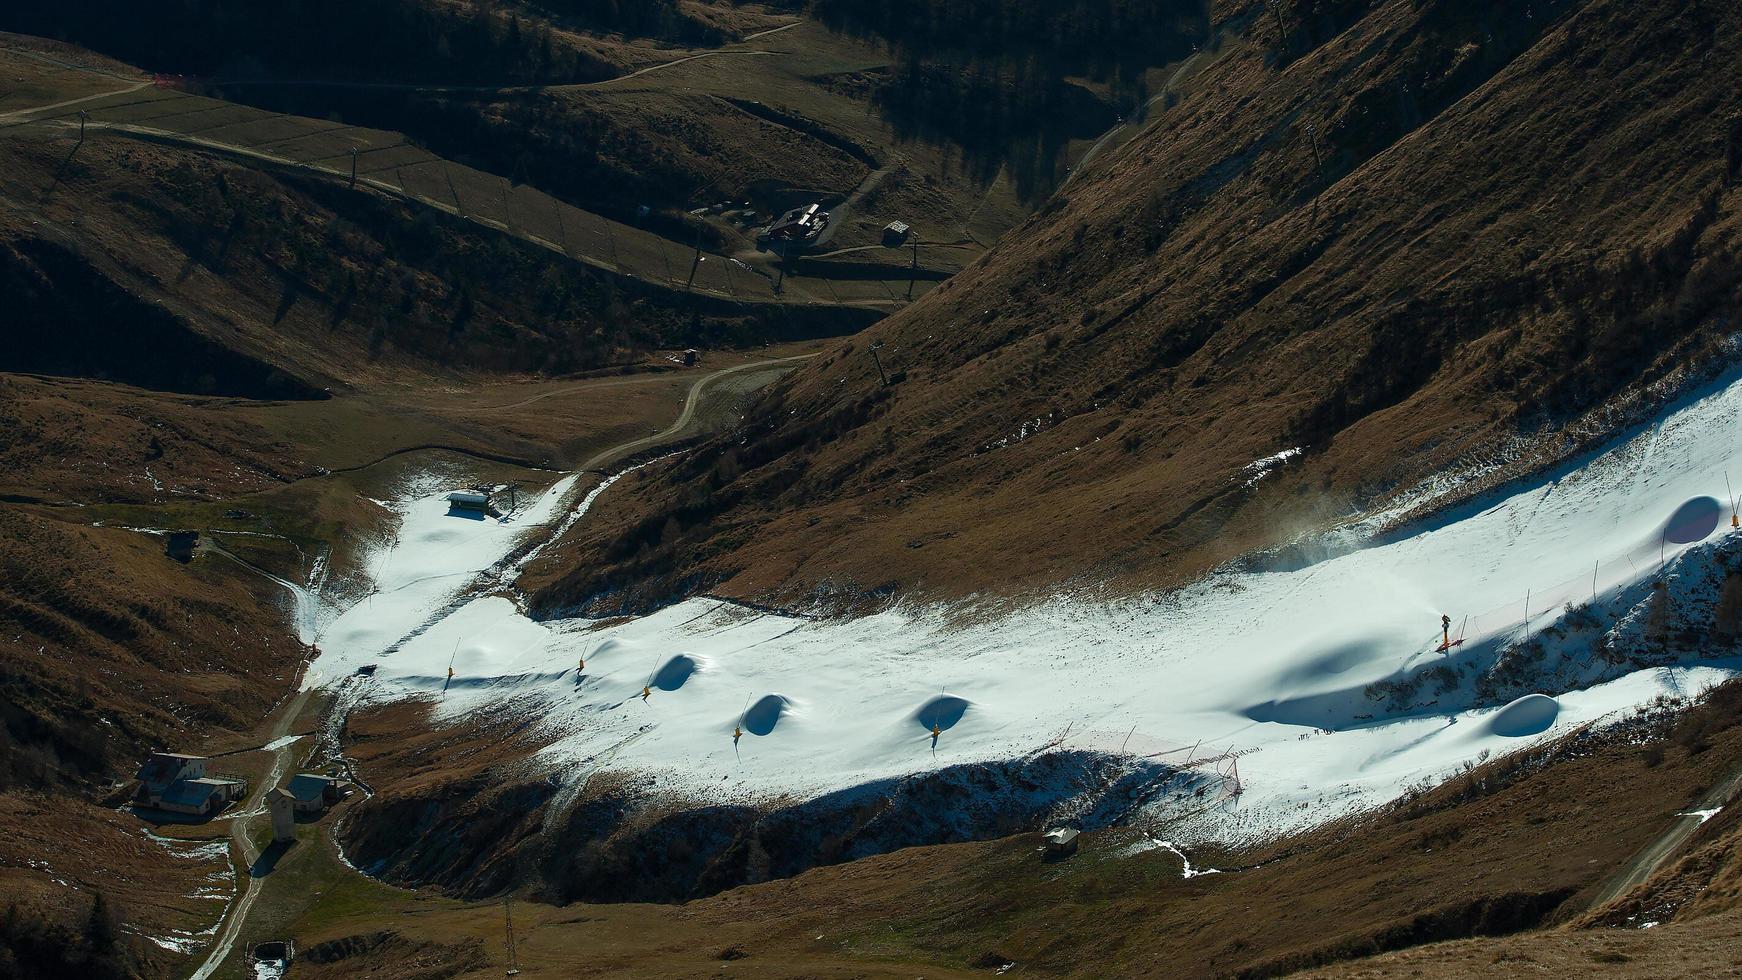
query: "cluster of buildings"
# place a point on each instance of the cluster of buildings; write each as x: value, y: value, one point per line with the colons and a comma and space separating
x: 181, y: 784
x: 177, y: 783
x: 307, y: 794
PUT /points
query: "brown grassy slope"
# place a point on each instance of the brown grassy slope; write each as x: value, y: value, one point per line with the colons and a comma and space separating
x: 1685, y: 920
x: 86, y: 441
x: 1522, y: 208
x: 109, y: 648
x: 1518, y: 844
x: 57, y: 854
x: 237, y: 281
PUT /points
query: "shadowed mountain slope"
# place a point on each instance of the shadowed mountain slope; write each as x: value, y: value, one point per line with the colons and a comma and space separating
x: 1396, y: 236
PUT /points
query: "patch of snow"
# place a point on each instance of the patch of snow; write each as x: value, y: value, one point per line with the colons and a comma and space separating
x: 1258, y: 469
x: 1187, y: 870
x: 1703, y: 815
x: 439, y: 552
x: 174, y: 944
x: 279, y: 743
x: 1304, y: 693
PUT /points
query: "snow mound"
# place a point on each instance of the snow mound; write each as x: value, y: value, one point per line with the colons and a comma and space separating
x: 1529, y: 715
x: 1693, y: 521
x: 942, y: 711
x: 675, y: 672
x: 762, y: 717
x: 613, y: 646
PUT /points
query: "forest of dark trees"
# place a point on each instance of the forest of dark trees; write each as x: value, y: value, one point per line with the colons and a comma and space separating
x: 1096, y: 38
x: 1001, y: 114
x: 661, y: 19
x: 563, y: 147
x: 34, y: 947
x: 993, y: 76
x: 411, y: 41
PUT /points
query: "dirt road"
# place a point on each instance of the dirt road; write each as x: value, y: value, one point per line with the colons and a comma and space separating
x: 1643, y: 865
x: 237, y: 914
x: 685, y: 418
x: 239, y: 828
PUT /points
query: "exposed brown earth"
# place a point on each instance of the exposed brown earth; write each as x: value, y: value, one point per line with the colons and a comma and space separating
x: 1502, y: 215
x: 242, y: 283
x: 100, y: 662
x: 1519, y: 845
x: 58, y: 854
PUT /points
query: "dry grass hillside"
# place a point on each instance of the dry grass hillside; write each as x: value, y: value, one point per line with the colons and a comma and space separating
x: 1492, y: 873
x: 239, y: 281
x: 1399, y: 235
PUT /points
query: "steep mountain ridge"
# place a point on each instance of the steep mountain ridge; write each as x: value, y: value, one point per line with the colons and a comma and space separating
x: 1391, y: 236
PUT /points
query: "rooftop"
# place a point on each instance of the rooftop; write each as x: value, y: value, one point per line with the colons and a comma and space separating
x: 307, y: 786
x: 192, y: 792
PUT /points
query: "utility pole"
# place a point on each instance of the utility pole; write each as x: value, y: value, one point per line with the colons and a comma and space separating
x: 697, y: 261
x: 353, y: 168
x: 83, y: 116
x: 913, y: 269
x: 1312, y: 134
x: 1281, y: 28
x: 876, y: 346
x: 508, y: 915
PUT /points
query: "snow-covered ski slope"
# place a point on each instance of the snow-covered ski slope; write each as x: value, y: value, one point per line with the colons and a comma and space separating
x: 1325, y: 678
